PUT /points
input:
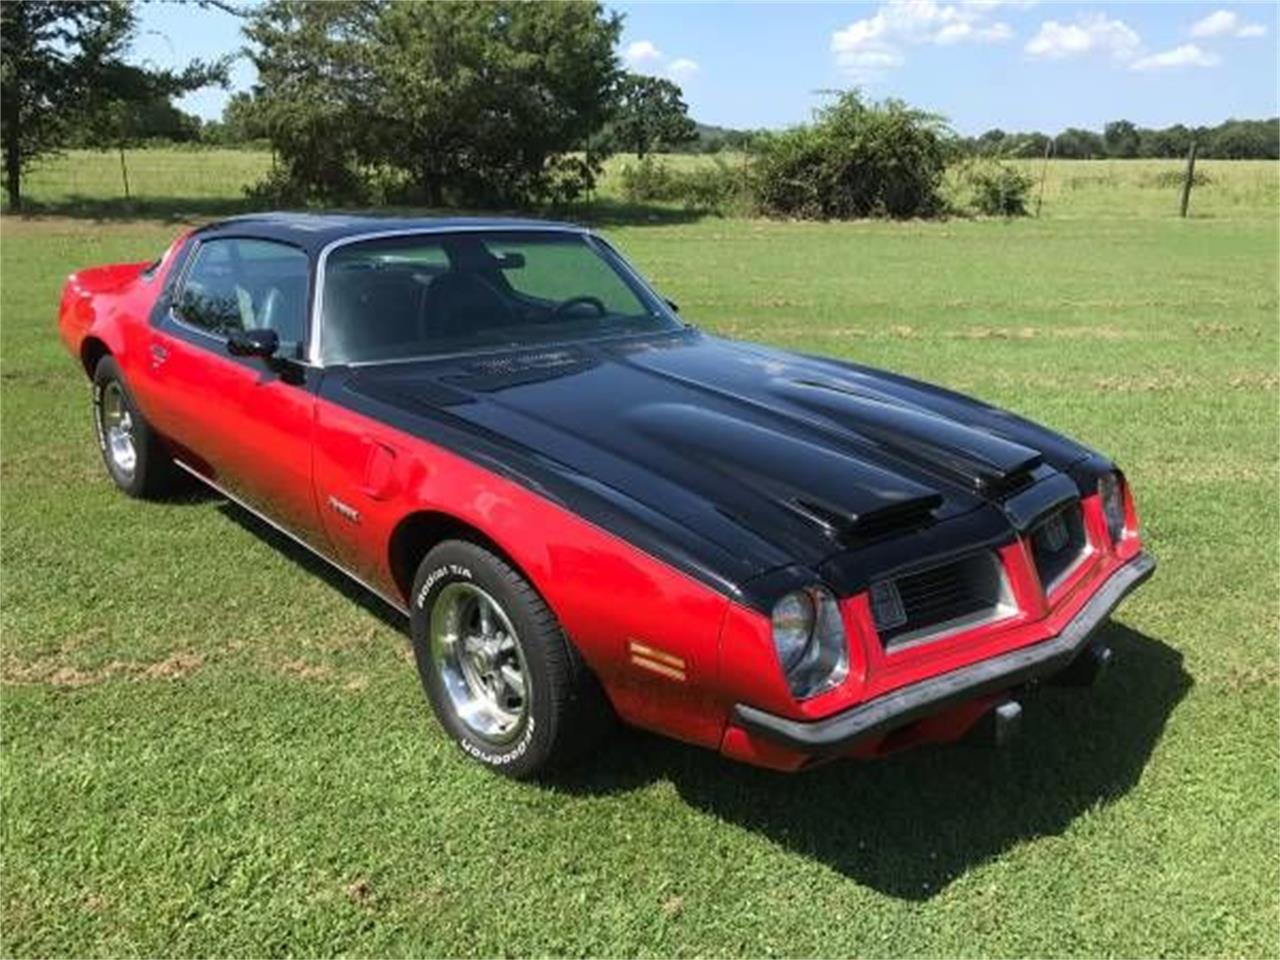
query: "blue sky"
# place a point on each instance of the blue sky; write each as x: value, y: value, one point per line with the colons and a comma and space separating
x: 982, y: 63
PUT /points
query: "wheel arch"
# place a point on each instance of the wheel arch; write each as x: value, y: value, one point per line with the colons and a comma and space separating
x: 92, y: 350
x: 415, y: 535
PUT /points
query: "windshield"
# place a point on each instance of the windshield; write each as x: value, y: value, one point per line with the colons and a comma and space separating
x: 430, y: 294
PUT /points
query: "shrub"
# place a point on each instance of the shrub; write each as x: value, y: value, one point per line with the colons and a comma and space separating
x: 999, y: 189
x: 717, y: 186
x: 856, y: 160
x: 647, y: 180
x: 1169, y: 179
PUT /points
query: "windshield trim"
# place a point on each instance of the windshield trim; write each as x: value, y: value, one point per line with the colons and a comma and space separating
x: 682, y: 330
x: 313, y: 351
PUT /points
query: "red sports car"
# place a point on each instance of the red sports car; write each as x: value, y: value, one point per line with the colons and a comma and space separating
x: 589, y: 509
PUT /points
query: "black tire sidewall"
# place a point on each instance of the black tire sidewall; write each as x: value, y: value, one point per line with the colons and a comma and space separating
x: 459, y: 561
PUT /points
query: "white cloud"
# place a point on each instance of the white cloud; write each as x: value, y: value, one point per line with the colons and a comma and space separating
x: 866, y: 48
x: 958, y: 32
x: 682, y: 67
x: 1216, y: 24
x: 643, y: 56
x: 1095, y: 33
x: 1225, y: 23
x: 1187, y: 55
x: 642, y: 52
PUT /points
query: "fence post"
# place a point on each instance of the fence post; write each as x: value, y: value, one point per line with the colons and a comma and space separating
x: 1191, y: 173
x: 124, y: 172
x: 1044, y: 173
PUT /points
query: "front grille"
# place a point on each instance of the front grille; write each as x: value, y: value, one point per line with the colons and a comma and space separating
x: 1059, y: 545
x: 941, y: 599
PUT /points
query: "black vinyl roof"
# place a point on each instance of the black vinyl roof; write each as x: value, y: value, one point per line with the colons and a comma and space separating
x: 314, y: 231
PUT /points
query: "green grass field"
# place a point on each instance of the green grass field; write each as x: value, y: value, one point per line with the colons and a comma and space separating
x: 208, y: 745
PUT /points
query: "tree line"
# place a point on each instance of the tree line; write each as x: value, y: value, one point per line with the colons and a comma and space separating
x: 1122, y: 139
x: 477, y: 104
x: 468, y: 103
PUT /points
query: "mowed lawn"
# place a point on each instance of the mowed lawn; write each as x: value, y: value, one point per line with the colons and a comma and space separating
x: 211, y: 746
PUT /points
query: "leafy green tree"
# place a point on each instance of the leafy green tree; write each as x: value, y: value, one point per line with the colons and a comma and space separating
x: 650, y: 114
x: 1244, y: 139
x: 991, y: 143
x: 1076, y: 144
x: 1120, y: 137
x: 62, y: 72
x: 466, y: 102
x: 315, y: 98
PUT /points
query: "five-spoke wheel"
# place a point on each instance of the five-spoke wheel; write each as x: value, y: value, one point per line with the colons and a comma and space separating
x: 477, y: 653
x: 134, y: 455
x: 502, y: 677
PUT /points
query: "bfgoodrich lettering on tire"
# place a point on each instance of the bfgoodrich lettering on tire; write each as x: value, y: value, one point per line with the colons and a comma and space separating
x: 499, y: 673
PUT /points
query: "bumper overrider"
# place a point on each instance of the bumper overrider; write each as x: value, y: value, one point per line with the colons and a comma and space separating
x: 840, y: 733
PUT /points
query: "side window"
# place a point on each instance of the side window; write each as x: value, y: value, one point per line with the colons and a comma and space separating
x: 238, y: 284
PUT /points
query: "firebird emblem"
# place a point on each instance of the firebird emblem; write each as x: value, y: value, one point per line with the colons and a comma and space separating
x: 344, y: 509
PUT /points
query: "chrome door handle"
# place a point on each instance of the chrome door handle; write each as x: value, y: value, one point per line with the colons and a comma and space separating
x: 158, y: 355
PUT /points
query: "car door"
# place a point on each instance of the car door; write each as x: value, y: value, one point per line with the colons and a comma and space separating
x: 243, y: 422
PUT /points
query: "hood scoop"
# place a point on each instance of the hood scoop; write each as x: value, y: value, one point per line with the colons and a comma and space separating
x: 845, y: 496
x: 989, y: 465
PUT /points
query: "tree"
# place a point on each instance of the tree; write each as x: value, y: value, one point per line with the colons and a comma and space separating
x: 650, y: 114
x: 62, y: 70
x: 1076, y: 144
x: 1120, y: 138
x: 467, y: 102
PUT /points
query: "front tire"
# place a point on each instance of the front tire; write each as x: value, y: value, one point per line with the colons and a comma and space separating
x: 501, y: 677
x: 134, y: 455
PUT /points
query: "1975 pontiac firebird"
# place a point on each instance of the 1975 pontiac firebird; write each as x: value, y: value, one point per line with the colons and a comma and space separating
x: 590, y: 509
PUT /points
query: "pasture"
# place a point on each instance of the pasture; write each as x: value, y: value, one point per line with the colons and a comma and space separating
x: 211, y: 745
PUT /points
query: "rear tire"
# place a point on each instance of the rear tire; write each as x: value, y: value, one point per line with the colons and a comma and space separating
x: 500, y: 674
x: 133, y: 453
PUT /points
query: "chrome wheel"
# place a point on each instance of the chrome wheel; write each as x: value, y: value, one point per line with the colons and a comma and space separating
x: 117, y: 429
x: 481, y: 665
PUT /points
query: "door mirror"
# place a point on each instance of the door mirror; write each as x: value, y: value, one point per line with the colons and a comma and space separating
x: 253, y: 343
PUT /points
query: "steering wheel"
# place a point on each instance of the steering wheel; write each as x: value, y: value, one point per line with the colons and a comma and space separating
x: 565, y: 306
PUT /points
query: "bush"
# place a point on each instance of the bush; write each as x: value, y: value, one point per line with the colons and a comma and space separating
x: 999, y: 189
x: 1169, y: 179
x: 856, y: 160
x: 647, y: 180
x: 716, y: 187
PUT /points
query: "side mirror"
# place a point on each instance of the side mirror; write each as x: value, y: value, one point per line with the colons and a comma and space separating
x: 253, y: 343
x: 675, y: 307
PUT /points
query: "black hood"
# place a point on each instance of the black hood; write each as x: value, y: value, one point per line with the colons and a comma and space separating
x: 746, y: 457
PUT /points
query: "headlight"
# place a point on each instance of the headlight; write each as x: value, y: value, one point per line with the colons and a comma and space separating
x: 1111, y: 489
x: 808, y: 634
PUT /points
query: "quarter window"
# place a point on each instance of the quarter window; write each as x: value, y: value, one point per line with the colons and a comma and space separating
x: 238, y: 284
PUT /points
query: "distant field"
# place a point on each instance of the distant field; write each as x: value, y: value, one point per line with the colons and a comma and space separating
x: 209, y: 747
x: 213, y: 181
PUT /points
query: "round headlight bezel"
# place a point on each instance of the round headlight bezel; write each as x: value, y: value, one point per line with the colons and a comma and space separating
x: 793, y: 619
x: 809, y: 640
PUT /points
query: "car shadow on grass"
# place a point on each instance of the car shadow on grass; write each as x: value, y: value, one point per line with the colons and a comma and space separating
x: 910, y: 824
x: 305, y: 559
x: 600, y: 213
x: 166, y: 209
